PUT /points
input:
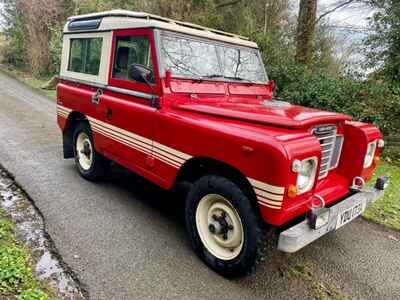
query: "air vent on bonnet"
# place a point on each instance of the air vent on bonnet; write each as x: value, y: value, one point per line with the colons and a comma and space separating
x: 276, y: 103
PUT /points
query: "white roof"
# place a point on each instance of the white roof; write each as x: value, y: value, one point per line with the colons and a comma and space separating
x: 123, y: 19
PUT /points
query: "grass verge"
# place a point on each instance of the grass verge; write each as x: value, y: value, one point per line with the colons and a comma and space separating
x: 386, y: 211
x: 17, y: 280
x: 36, y: 83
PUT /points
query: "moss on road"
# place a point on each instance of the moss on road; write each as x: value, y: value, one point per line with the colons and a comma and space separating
x: 16, y: 275
x: 386, y: 211
x: 319, y: 288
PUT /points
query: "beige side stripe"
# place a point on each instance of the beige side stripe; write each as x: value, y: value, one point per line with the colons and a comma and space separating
x: 121, y: 136
x: 137, y: 142
x: 109, y: 129
x: 121, y: 131
x: 269, y: 201
x: 182, y: 155
x: 267, y: 187
x: 117, y: 138
x: 267, y: 195
x: 64, y: 115
x: 65, y: 109
x: 133, y: 146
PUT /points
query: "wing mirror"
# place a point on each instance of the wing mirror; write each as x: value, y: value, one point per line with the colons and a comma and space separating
x: 140, y: 73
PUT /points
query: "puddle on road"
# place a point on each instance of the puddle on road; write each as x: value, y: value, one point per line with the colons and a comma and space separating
x: 30, y: 230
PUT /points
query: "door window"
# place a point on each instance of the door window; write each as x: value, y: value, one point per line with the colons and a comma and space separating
x: 131, y: 50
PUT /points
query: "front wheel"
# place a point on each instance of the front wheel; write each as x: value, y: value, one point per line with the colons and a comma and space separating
x: 224, y: 228
x: 91, y: 165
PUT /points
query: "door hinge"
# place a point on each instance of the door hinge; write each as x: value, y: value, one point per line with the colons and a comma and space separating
x: 155, y: 102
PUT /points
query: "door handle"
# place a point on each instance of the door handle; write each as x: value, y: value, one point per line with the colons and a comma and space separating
x: 109, y: 114
x: 96, y: 96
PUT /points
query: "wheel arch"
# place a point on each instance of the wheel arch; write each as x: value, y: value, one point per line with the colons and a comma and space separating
x: 68, y: 133
x: 197, y: 167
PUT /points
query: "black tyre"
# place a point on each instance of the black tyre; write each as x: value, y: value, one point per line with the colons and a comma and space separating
x: 90, y: 164
x: 224, y: 228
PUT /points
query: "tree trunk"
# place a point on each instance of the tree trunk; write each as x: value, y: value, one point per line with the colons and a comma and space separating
x: 305, y: 31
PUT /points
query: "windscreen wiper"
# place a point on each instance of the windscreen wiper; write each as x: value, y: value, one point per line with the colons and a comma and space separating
x: 213, y: 76
x: 238, y: 78
x: 227, y: 77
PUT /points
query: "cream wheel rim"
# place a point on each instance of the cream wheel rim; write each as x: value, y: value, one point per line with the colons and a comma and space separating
x: 219, y: 226
x: 84, y: 151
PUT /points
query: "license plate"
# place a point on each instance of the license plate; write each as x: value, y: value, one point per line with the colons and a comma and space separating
x: 350, y: 214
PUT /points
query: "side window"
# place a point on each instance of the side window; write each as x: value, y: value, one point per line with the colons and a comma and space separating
x: 131, y: 50
x: 85, y: 55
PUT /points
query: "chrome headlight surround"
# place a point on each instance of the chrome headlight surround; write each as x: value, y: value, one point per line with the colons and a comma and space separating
x: 306, y: 170
x: 369, y: 155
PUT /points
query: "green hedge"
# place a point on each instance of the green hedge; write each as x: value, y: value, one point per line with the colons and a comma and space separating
x: 371, y: 101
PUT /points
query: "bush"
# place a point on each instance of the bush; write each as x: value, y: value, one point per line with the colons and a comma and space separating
x: 369, y: 101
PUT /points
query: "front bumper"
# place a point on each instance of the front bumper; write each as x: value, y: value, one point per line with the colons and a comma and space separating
x: 300, y: 235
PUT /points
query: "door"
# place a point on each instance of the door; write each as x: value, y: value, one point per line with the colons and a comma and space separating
x: 127, y: 104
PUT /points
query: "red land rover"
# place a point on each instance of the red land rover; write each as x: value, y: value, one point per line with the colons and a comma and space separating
x: 175, y: 102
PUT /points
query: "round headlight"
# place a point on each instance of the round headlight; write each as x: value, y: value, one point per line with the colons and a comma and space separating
x: 306, y: 175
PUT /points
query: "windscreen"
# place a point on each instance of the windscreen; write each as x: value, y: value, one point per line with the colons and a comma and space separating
x: 196, y: 58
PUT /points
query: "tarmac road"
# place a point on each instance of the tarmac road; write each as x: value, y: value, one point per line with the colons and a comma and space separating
x: 125, y: 238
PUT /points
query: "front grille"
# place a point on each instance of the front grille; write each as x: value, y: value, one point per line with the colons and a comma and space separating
x: 326, y: 134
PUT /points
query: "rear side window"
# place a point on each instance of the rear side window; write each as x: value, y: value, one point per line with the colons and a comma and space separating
x: 85, y: 55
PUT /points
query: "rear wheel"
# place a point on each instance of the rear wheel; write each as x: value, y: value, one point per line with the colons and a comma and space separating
x: 224, y: 228
x: 91, y: 165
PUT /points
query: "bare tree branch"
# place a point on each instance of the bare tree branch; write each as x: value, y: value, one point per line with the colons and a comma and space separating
x: 348, y: 2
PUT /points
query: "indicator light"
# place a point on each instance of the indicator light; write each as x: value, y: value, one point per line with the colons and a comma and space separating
x: 292, y: 191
